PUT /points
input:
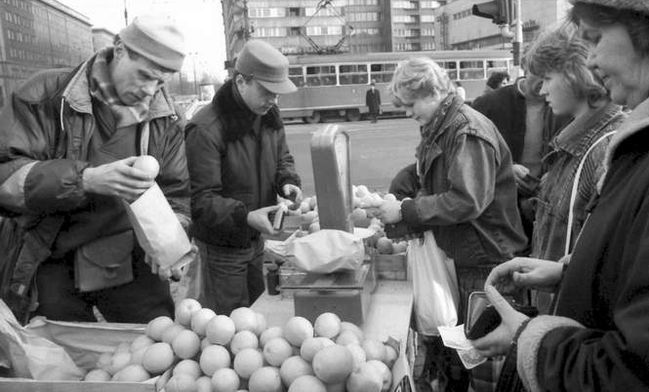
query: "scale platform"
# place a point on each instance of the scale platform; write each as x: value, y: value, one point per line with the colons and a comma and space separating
x: 345, y: 293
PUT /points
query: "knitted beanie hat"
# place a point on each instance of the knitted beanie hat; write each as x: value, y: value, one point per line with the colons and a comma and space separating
x: 157, y: 39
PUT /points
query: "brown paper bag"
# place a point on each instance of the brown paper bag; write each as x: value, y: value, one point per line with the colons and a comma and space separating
x: 157, y: 228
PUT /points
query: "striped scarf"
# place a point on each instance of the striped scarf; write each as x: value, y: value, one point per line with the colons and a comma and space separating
x: 103, y: 89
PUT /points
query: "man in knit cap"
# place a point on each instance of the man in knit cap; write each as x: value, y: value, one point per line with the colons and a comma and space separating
x: 69, y: 140
x: 239, y: 163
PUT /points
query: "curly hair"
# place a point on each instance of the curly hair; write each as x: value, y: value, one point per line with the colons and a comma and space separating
x: 562, y: 51
x: 636, y: 23
x: 419, y: 77
x: 496, y: 78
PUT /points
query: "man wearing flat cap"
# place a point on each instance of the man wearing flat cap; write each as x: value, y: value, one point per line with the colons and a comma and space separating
x: 239, y: 163
x: 68, y: 142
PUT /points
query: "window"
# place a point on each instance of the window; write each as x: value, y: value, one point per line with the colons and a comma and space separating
x: 294, y: 11
x: 450, y: 67
x: 472, y: 70
x: 382, y: 72
x: 428, y: 18
x: 321, y: 75
x: 353, y: 74
x: 296, y: 74
x: 294, y: 31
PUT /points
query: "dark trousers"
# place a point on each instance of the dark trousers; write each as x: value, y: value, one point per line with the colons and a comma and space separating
x: 231, y: 277
x: 374, y: 116
x: 140, y: 301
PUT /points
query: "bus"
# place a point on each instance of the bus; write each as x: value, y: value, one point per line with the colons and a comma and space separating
x: 334, y: 85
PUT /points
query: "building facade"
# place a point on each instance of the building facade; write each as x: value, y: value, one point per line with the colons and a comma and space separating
x: 457, y: 28
x: 101, y: 38
x: 36, y: 35
x: 321, y: 26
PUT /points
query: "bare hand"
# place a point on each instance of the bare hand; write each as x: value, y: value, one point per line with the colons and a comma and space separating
x: 390, y: 211
x: 292, y: 192
x: 117, y: 179
x: 177, y: 270
x: 259, y: 220
x: 499, y: 340
x: 520, y: 172
x: 525, y: 272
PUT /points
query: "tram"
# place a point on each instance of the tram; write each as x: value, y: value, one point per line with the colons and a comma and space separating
x: 334, y: 85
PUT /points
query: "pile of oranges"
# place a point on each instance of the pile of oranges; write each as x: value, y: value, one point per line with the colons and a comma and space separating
x: 206, y: 352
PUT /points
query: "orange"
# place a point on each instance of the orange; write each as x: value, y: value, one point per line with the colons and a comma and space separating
x: 307, y: 383
x: 132, y: 373
x: 333, y: 364
x: 188, y: 367
x: 220, y: 330
x: 157, y: 326
x: 312, y: 345
x: 225, y: 380
x: 247, y: 361
x: 199, y: 320
x: 158, y: 357
x: 186, y: 344
x: 265, y: 379
x: 213, y: 358
x: 245, y: 319
x: 276, y: 351
x: 293, y: 368
x: 297, y: 329
x: 272, y: 332
x: 243, y: 339
x: 327, y: 325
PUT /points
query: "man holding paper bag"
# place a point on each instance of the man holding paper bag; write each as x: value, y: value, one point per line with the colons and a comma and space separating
x: 69, y: 142
x: 239, y: 163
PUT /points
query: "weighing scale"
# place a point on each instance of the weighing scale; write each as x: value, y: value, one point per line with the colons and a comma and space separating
x: 346, y: 293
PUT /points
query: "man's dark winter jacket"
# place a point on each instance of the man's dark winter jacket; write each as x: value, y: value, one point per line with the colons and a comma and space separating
x: 238, y: 162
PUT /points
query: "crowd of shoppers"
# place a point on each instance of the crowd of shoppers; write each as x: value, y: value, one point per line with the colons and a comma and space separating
x: 69, y: 140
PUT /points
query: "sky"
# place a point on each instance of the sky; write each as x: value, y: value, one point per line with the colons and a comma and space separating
x: 200, y: 20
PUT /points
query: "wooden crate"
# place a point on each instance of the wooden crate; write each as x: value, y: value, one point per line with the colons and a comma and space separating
x: 390, y: 267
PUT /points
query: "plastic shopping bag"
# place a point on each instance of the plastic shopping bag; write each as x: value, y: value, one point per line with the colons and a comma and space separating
x: 326, y: 251
x: 434, y: 282
x: 28, y: 355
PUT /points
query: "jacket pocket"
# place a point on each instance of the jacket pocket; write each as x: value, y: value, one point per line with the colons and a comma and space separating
x: 105, y: 262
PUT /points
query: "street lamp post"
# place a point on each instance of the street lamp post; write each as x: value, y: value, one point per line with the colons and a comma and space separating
x: 194, y: 56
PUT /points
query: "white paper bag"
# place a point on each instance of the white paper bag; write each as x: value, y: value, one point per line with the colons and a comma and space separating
x: 434, y: 282
x: 326, y: 251
x: 157, y: 228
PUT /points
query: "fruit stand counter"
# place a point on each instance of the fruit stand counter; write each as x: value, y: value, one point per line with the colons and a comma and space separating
x: 388, y: 316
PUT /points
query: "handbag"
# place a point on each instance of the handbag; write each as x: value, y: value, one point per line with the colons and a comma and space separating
x: 434, y: 282
x: 105, y: 262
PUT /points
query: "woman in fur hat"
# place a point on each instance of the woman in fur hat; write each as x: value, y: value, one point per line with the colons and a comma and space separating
x: 598, y: 338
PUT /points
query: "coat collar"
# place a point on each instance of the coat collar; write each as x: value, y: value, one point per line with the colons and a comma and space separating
x: 237, y: 117
x: 77, y: 94
x: 637, y: 121
x: 577, y: 136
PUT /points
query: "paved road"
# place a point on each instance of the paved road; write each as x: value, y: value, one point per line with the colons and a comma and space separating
x: 378, y: 150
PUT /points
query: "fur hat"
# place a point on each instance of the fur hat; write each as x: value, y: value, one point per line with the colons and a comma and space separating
x: 641, y: 6
x: 157, y: 39
x: 266, y: 65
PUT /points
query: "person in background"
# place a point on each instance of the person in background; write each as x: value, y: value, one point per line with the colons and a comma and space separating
x: 69, y: 139
x: 239, y: 163
x: 373, y: 101
x: 460, y: 91
x: 496, y: 80
x: 527, y: 124
x: 467, y: 183
x: 596, y: 340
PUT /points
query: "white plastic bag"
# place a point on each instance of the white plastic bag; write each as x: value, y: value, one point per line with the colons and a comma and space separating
x: 434, y: 284
x: 326, y: 251
x: 28, y: 355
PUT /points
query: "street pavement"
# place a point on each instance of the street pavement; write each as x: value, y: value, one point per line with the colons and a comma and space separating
x: 378, y: 151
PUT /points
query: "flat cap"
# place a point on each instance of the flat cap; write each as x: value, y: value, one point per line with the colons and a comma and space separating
x: 157, y: 39
x: 266, y: 65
